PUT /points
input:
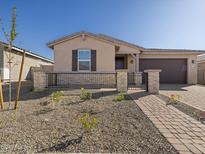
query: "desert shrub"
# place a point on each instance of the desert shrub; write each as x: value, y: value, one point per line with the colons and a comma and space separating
x: 120, y: 96
x: 56, y: 96
x: 173, y: 98
x: 88, y: 122
x: 84, y: 95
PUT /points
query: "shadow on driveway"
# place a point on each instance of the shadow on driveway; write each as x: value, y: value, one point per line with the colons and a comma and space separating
x: 139, y: 94
x: 174, y: 87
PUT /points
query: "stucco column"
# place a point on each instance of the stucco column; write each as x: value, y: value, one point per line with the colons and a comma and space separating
x: 122, y: 80
x: 153, y: 80
x: 192, y: 70
x: 137, y: 63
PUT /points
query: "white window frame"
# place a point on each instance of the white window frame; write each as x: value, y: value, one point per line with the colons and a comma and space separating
x: 84, y: 50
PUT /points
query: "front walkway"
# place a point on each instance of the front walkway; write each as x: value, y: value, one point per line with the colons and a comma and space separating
x: 186, y: 134
x: 192, y: 95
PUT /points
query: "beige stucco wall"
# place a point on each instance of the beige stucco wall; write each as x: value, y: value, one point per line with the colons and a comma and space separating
x: 105, y: 54
x: 131, y: 63
x: 47, y: 68
x: 201, y: 72
x: 28, y: 63
x: 130, y: 60
x: 127, y: 50
x: 191, y: 68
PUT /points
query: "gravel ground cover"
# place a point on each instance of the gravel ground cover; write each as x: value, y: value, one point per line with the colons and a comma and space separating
x: 40, y: 127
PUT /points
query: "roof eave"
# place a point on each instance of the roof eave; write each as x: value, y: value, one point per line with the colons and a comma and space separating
x: 51, y: 44
x: 174, y: 51
x: 29, y: 53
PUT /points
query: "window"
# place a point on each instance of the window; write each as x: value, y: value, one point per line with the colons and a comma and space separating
x: 84, y: 60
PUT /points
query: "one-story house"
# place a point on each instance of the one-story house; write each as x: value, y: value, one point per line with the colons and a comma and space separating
x: 85, y: 52
x: 201, y: 69
x: 31, y: 60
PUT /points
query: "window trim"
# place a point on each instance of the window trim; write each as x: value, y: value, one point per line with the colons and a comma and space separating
x: 89, y: 60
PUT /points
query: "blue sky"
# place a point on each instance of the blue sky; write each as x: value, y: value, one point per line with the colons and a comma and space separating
x: 148, y: 23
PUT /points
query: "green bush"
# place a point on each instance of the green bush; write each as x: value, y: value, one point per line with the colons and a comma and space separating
x: 84, y: 95
x: 88, y: 122
x: 120, y: 96
x: 56, y: 96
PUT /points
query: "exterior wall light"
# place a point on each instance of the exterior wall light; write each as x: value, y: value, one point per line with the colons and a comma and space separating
x: 193, y: 61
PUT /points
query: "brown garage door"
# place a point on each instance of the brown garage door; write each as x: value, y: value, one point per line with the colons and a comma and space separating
x: 173, y: 70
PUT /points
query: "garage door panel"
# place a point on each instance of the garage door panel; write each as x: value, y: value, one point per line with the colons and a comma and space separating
x: 173, y: 70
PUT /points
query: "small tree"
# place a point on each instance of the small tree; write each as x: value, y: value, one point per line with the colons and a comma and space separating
x: 10, y: 37
x: 88, y: 122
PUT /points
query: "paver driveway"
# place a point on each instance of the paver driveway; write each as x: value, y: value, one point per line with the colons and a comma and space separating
x: 193, y: 95
x: 186, y: 134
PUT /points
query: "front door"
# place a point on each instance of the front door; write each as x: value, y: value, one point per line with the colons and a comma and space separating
x: 119, y: 63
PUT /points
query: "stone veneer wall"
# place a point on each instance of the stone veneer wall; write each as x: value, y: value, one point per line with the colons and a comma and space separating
x: 122, y: 80
x: 201, y: 73
x: 153, y: 81
x: 92, y: 80
x: 39, y: 79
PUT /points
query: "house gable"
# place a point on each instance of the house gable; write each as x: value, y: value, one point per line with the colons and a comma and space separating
x: 124, y: 47
x: 105, y: 53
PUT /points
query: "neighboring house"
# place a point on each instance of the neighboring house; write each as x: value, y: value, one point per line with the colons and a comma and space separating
x: 31, y: 60
x: 85, y: 52
x: 201, y: 69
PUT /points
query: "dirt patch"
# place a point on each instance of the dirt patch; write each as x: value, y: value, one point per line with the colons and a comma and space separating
x: 122, y: 127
